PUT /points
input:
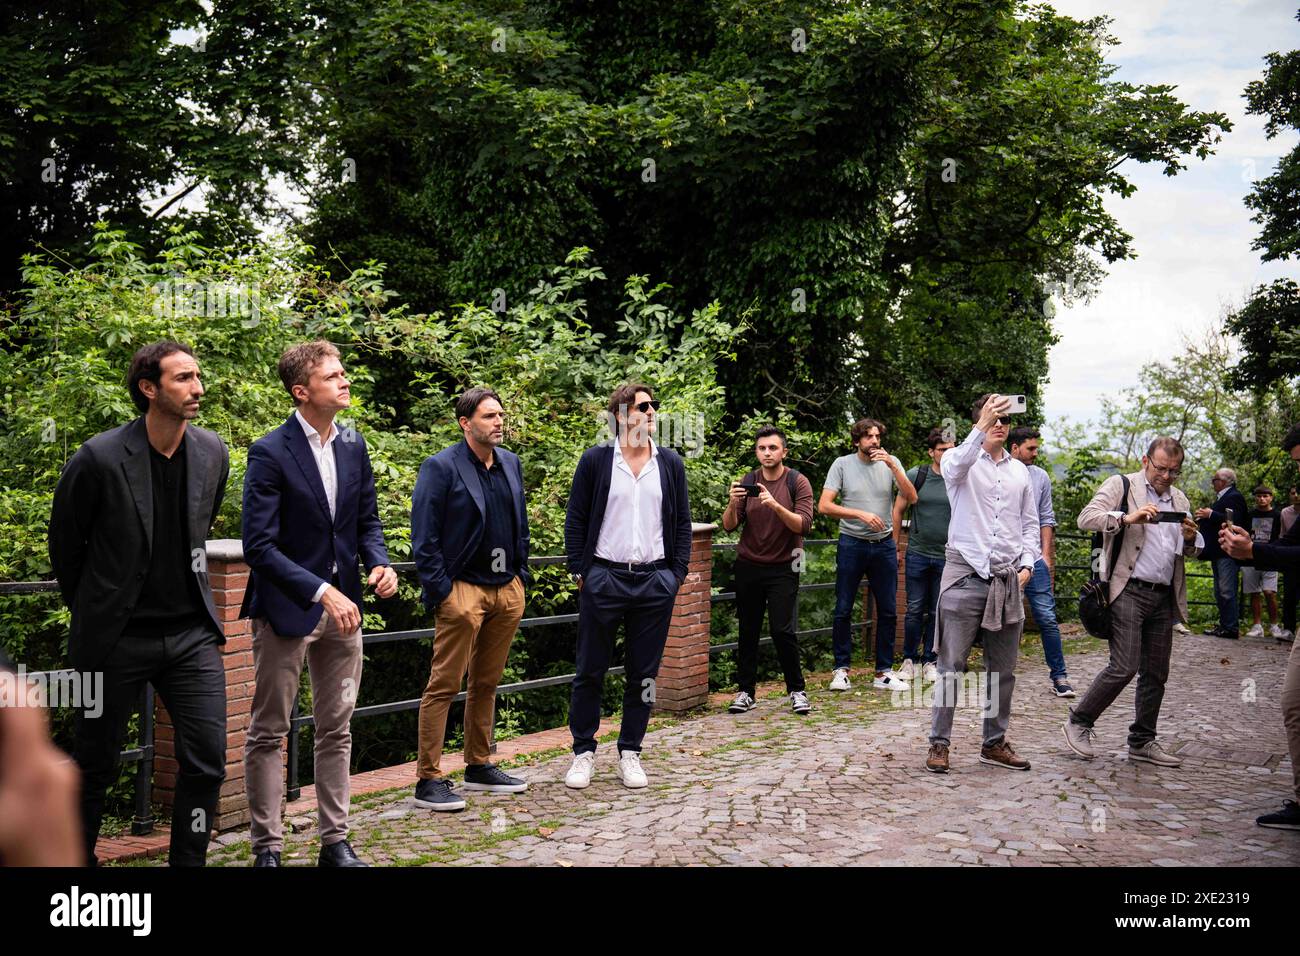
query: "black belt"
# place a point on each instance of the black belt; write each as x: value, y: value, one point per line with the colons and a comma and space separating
x: 660, y: 565
x: 1148, y: 585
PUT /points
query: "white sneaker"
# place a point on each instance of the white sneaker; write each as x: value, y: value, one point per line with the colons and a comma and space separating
x: 840, y: 679
x: 1278, y: 631
x: 907, y: 671
x: 1256, y: 631
x: 890, y: 681
x: 629, y: 768
x: 1181, y: 628
x: 579, y: 774
x: 929, y: 673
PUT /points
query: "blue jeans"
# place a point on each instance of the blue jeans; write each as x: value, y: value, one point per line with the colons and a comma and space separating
x: 1225, y: 591
x: 1042, y: 604
x: 923, y: 574
x: 878, y: 560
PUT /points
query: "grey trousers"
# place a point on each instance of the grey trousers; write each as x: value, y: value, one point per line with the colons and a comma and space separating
x: 962, y: 608
x: 1142, y: 639
x: 334, y: 661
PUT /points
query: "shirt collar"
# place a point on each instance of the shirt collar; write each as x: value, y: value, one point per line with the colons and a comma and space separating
x: 1167, y: 496
x: 313, y: 436
x: 618, y: 451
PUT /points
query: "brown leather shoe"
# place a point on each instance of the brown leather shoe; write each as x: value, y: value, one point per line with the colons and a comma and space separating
x: 1000, y: 754
x: 937, y: 762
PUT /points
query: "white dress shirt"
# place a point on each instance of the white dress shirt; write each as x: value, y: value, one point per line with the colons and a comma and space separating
x: 994, y: 516
x: 323, y: 452
x: 633, y: 528
x: 1162, y: 544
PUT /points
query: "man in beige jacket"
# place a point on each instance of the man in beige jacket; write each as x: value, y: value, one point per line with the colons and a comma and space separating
x: 1147, y: 590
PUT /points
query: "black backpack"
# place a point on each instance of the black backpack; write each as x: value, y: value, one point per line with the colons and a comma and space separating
x: 1094, y: 596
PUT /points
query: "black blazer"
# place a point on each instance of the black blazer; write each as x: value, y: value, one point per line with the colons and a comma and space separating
x: 290, y: 540
x: 101, y: 530
x: 1232, y: 498
x: 447, y: 512
x: 586, y: 509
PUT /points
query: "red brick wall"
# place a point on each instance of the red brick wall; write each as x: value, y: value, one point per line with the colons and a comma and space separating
x: 683, y: 680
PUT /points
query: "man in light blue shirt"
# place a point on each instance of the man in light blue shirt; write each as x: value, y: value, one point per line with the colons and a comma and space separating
x: 1023, y: 444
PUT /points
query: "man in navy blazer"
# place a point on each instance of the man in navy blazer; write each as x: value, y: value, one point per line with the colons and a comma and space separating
x: 310, y: 515
x: 1225, y: 569
x: 469, y: 536
x: 627, y: 537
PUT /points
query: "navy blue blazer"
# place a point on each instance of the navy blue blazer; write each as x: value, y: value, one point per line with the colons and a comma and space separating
x: 290, y: 542
x: 590, y: 492
x: 1234, y: 499
x: 447, y: 518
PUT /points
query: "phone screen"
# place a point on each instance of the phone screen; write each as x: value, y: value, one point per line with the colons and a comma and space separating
x: 751, y: 491
x: 1171, y: 516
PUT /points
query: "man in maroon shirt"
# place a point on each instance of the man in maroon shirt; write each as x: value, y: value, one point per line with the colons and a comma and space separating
x: 775, y: 504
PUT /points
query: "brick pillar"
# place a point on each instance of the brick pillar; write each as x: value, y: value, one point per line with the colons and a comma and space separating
x: 683, y: 681
x: 229, y: 575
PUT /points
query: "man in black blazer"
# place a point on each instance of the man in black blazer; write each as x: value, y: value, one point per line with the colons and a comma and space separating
x: 469, y: 538
x: 1225, y: 569
x: 310, y: 515
x: 128, y: 531
x: 627, y: 537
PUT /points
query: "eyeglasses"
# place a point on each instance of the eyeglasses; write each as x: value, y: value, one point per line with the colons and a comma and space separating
x: 644, y: 407
x: 1171, y: 472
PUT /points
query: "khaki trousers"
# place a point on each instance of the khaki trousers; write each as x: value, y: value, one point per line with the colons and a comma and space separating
x: 334, y: 663
x: 472, y: 633
x: 1291, y: 712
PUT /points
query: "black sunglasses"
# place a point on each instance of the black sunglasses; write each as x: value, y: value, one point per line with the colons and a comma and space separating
x: 1004, y: 420
x: 644, y: 407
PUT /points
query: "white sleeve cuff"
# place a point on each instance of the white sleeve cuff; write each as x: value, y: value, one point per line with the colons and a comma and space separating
x: 324, y: 586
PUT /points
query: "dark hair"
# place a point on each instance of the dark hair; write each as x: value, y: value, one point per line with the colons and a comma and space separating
x: 1170, y: 446
x: 469, y: 402
x: 864, y: 425
x: 768, y: 430
x: 1021, y: 434
x: 979, y: 406
x: 1262, y: 490
x: 937, y: 437
x: 1292, y: 438
x: 299, y: 361
x: 147, y: 364
x: 623, y: 396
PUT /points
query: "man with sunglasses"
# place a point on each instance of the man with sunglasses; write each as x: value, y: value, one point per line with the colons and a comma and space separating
x: 627, y: 537
x: 1147, y: 589
x: 992, y: 546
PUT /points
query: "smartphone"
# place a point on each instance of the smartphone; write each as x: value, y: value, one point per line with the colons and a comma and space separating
x: 1018, y: 405
x: 1227, y: 517
x: 751, y: 491
x: 1170, y: 517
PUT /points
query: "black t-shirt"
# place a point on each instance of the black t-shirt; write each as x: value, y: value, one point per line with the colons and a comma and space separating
x: 170, y: 601
x: 1265, y: 526
x: 493, y: 564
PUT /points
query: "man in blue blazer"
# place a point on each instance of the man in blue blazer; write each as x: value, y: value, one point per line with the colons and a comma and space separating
x: 310, y: 515
x: 627, y: 536
x: 1225, y: 569
x: 469, y: 536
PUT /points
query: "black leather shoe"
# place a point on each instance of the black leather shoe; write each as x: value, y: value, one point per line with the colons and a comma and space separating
x: 339, y: 854
x: 267, y: 858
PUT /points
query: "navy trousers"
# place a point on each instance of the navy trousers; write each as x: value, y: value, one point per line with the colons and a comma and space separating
x: 642, y: 602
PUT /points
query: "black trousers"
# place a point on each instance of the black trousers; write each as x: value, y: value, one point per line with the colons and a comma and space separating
x: 186, y: 671
x: 1290, y: 583
x: 773, y: 588
x: 642, y: 602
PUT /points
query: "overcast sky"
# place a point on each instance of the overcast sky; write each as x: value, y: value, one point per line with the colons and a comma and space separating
x: 1192, y: 232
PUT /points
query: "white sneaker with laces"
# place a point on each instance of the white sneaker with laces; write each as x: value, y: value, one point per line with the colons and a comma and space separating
x: 579, y: 775
x: 1256, y: 631
x: 629, y: 768
x: 840, y: 679
x: 799, y: 702
x: 929, y: 673
x: 890, y: 681
x: 1278, y: 631
x: 908, y: 670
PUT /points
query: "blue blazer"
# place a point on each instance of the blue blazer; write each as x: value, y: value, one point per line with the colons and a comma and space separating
x: 1234, y: 499
x: 290, y: 542
x: 590, y: 493
x: 447, y: 518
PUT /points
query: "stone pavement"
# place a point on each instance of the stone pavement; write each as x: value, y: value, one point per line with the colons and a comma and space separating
x: 846, y: 785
